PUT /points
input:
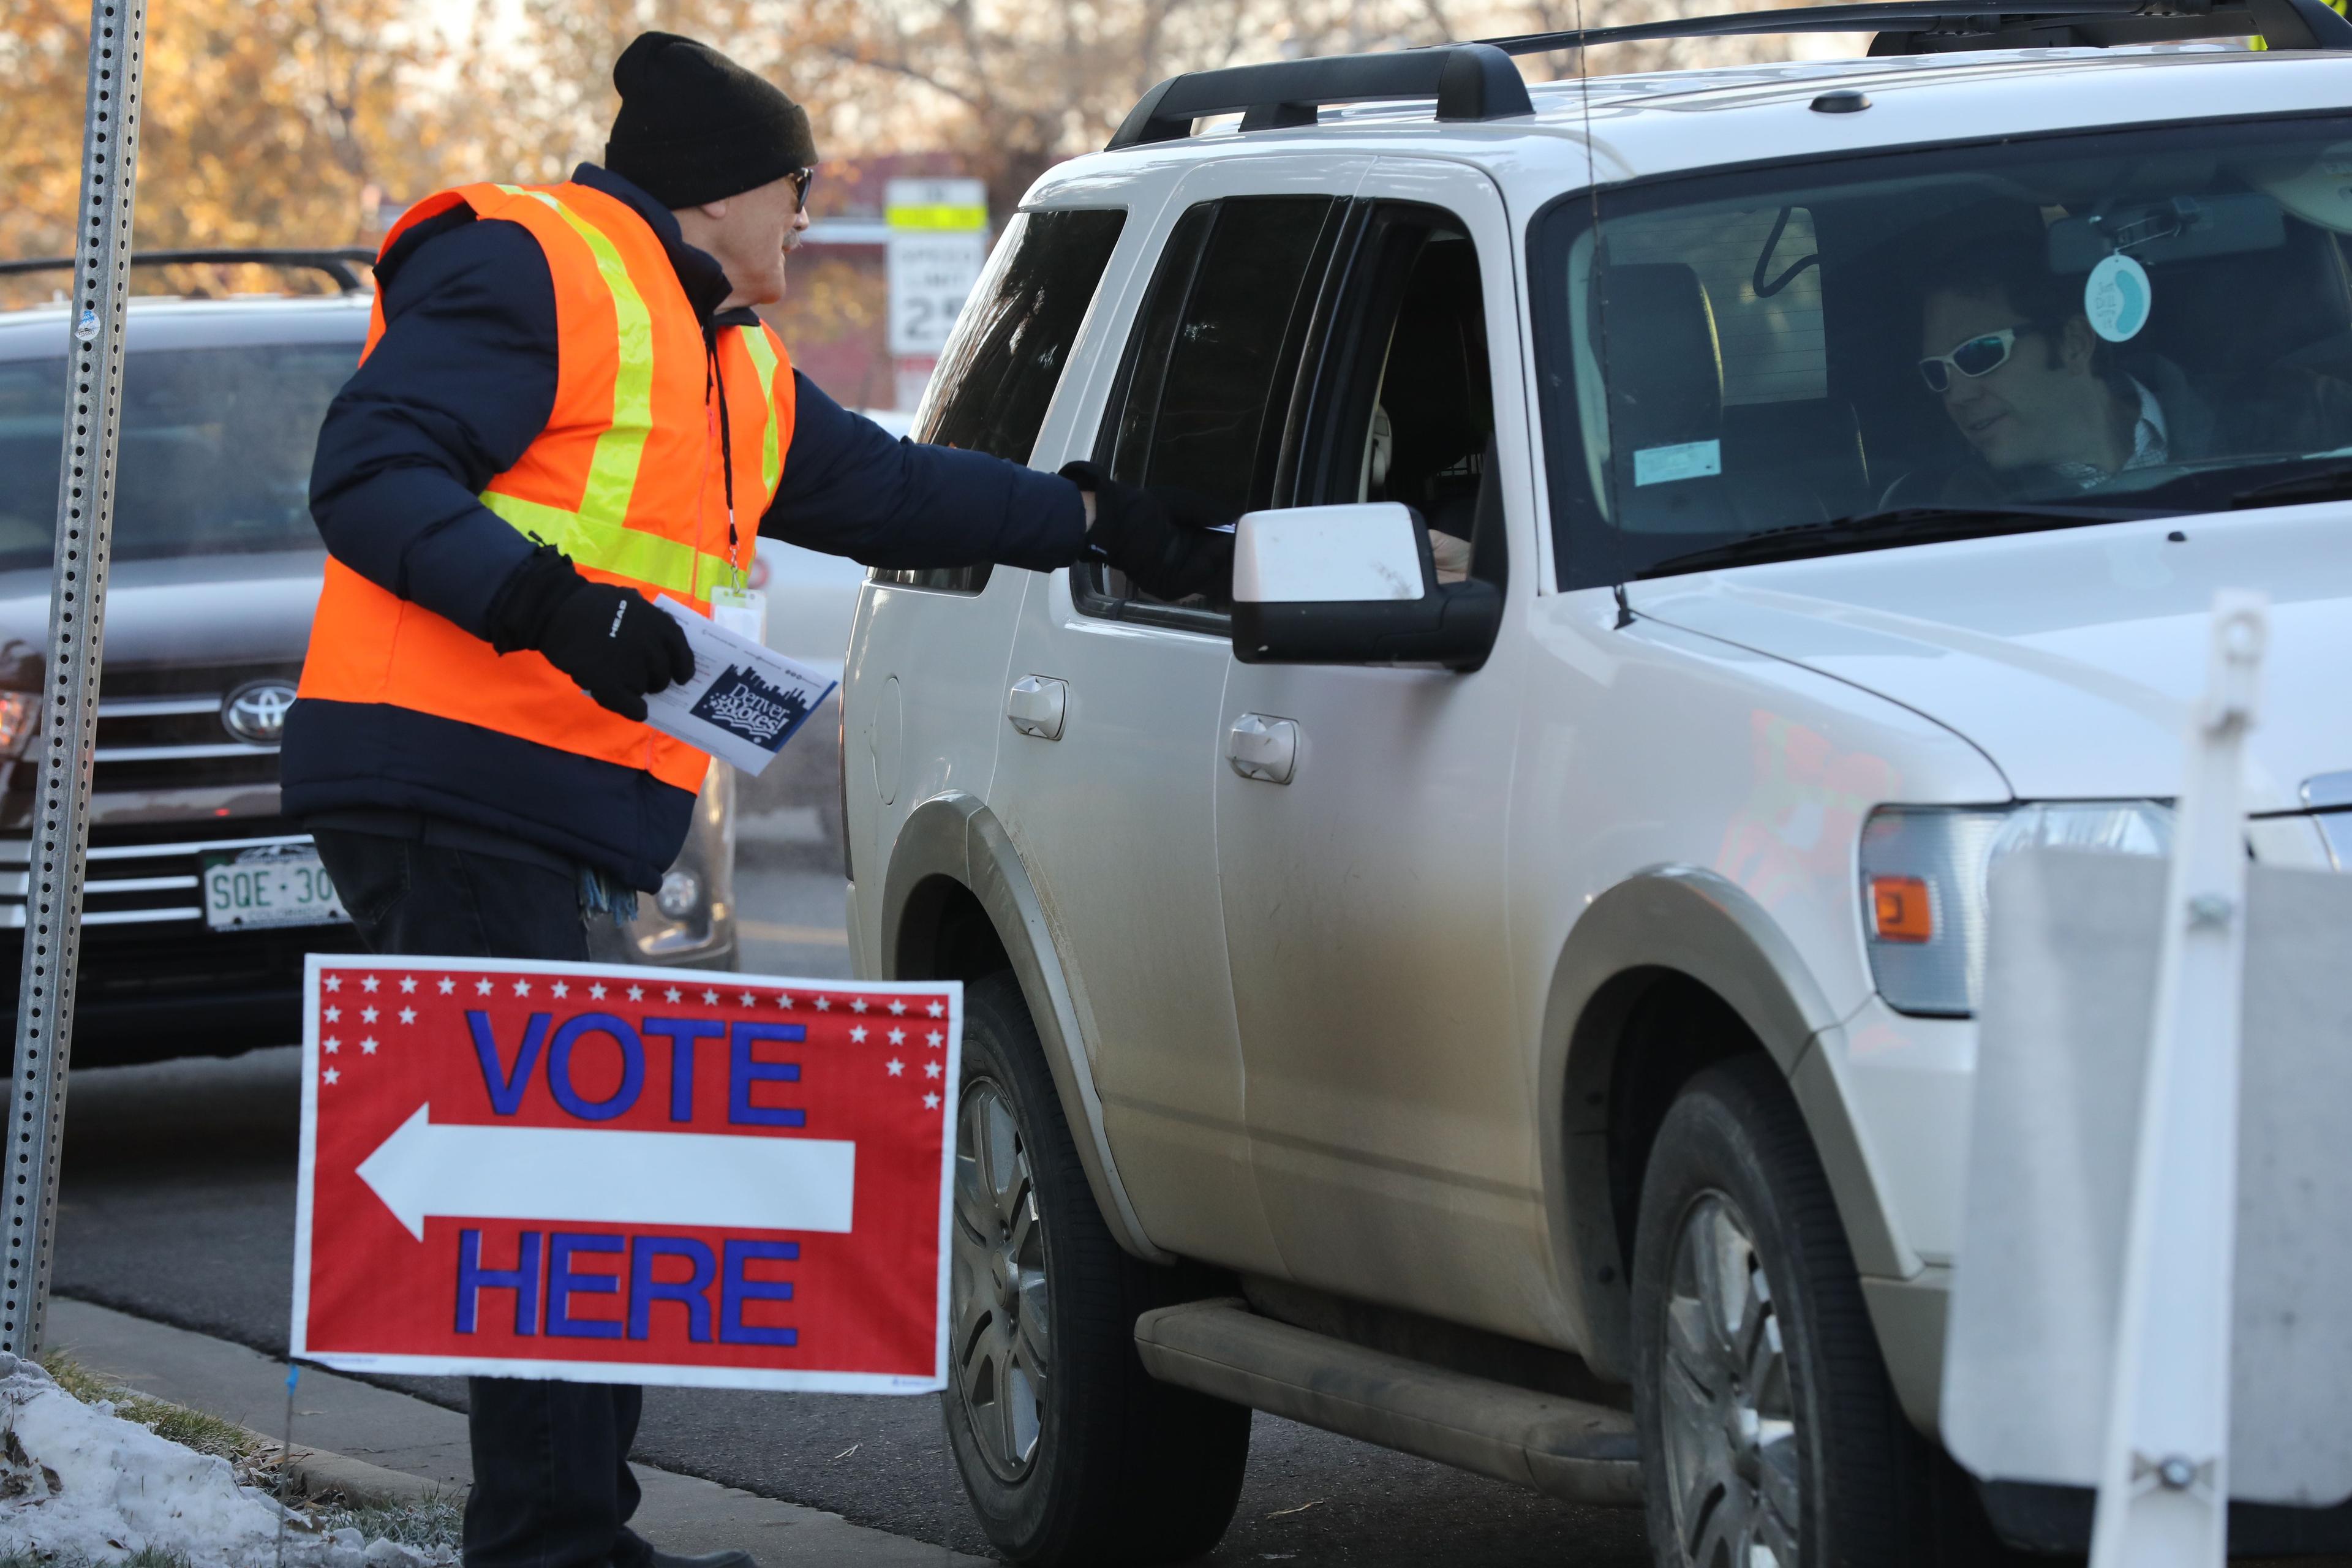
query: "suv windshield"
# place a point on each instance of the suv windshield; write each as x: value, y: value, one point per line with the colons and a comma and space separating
x: 1838, y: 355
x: 216, y: 450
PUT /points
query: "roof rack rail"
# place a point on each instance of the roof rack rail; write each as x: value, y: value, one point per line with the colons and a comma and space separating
x: 1470, y: 81
x: 1477, y: 80
x: 1937, y: 26
x: 336, y: 262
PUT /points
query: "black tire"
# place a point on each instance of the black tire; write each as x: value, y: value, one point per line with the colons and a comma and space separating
x: 1733, y: 1147
x: 1123, y: 1469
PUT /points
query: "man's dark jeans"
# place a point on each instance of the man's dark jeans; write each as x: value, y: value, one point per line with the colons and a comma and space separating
x: 552, y: 1482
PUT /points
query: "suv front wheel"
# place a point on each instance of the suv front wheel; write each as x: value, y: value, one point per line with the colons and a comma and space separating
x: 1070, y: 1452
x: 1770, y: 1432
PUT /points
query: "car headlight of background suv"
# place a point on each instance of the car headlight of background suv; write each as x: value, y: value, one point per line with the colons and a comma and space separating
x: 1924, y: 871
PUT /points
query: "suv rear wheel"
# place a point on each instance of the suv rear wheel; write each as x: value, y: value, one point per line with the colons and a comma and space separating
x: 1770, y: 1432
x: 1070, y: 1452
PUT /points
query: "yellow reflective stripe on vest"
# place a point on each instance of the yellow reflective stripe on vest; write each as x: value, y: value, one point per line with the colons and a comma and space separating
x: 596, y: 534
x: 611, y: 547
x: 763, y: 360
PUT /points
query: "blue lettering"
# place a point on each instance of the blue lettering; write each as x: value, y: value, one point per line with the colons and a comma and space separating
x: 693, y: 1292
x: 735, y: 1289
x: 507, y: 1090
x: 522, y: 1280
x: 682, y: 1032
x: 563, y: 1283
x: 632, y: 1066
x: 743, y: 1072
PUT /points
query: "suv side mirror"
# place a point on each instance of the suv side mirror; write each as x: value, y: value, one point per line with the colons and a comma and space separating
x: 1353, y: 584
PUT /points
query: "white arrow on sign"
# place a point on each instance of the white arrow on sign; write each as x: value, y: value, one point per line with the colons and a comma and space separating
x: 461, y: 1170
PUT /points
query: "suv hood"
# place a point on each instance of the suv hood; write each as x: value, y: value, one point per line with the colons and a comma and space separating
x: 182, y: 610
x: 2071, y: 657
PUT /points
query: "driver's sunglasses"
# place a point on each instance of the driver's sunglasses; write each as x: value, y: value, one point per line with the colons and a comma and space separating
x: 1977, y: 356
x: 802, y: 180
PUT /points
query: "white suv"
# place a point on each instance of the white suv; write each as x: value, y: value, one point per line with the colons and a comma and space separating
x: 1503, y: 987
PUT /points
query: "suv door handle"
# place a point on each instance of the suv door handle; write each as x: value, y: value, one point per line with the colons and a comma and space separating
x: 1262, y: 747
x: 1036, y: 704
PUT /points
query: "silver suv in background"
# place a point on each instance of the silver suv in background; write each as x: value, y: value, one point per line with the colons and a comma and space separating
x: 201, y: 899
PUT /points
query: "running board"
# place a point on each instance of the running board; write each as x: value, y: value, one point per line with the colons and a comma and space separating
x: 1566, y: 1447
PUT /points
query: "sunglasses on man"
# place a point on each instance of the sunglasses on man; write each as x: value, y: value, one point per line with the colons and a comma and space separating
x: 802, y: 180
x: 1979, y: 356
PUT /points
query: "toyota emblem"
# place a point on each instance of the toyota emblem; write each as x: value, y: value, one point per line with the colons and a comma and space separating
x: 256, y: 712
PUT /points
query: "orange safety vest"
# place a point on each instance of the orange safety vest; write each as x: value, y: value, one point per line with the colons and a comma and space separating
x: 626, y: 480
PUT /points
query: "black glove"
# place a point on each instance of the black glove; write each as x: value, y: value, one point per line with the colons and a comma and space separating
x: 1161, y: 538
x: 612, y: 640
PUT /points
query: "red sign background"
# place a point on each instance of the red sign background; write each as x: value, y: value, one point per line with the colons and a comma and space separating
x: 864, y: 1309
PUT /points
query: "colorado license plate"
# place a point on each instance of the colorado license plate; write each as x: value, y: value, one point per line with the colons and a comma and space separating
x: 270, y: 885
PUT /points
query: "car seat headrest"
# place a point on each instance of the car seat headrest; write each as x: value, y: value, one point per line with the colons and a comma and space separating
x: 1663, y: 362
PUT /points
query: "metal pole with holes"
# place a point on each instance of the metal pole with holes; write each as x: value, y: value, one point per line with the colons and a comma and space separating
x: 2163, y: 1486
x: 69, y: 698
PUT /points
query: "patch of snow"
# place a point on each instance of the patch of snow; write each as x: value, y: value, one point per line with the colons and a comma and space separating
x: 78, y: 1483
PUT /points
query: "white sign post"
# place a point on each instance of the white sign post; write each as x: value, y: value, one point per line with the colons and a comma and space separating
x: 2164, y: 1484
x: 939, y: 242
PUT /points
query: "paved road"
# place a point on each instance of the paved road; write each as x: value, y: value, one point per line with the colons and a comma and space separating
x: 178, y: 1204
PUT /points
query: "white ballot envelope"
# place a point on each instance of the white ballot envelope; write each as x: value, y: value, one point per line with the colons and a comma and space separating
x: 745, y: 700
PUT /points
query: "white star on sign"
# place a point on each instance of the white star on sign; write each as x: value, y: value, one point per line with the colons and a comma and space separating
x: 824, y: 1003
x: 448, y: 985
x: 522, y: 987
x: 857, y: 1037
x: 749, y: 999
x: 332, y: 1015
x: 936, y: 1039
x: 367, y: 1047
x: 367, y: 1014
x: 899, y: 1007
x: 936, y: 1009
x: 408, y: 982
x: 330, y: 1076
x: 334, y: 982
x: 482, y: 986
x: 368, y: 983
x: 408, y: 1014
x: 561, y: 989
x: 895, y: 1066
x: 711, y: 998
x: 931, y: 1069
x: 672, y: 993
x: 783, y: 999
x: 330, y: 1045
x: 597, y: 990
x: 897, y: 1036
x: 858, y: 1006
x: 930, y: 1102
x: 637, y: 992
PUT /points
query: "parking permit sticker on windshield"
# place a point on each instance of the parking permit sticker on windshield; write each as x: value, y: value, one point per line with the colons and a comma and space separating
x: 2115, y: 299
x: 1690, y: 461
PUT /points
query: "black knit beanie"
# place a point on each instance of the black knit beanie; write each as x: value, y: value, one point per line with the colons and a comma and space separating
x: 696, y: 127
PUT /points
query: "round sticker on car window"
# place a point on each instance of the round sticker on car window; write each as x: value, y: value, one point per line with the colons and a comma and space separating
x: 2116, y: 298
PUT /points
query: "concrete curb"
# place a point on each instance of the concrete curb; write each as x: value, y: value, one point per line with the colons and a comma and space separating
x: 377, y: 1445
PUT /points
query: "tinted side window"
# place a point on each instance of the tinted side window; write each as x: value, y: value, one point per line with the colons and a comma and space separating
x: 1000, y: 369
x: 1215, y: 352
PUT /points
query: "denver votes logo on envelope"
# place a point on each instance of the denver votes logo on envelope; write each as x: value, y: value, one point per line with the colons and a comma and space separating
x: 622, y: 1175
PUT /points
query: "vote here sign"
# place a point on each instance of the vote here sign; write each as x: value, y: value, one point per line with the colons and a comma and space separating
x: 625, y: 1175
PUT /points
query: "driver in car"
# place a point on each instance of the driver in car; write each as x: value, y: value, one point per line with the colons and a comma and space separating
x: 2047, y: 406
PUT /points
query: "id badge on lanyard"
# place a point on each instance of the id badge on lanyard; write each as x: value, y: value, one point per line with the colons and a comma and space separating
x: 743, y: 611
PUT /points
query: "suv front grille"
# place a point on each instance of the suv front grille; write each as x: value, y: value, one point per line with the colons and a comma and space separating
x: 162, y: 729
x: 139, y: 875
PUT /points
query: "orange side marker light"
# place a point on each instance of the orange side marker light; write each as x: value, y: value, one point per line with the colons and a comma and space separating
x: 1900, y: 910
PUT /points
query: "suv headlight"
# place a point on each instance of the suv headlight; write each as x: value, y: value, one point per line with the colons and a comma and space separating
x: 1924, y: 871
x: 20, y: 717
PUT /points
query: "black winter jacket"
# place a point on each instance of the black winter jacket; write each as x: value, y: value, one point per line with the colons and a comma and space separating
x: 462, y: 382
